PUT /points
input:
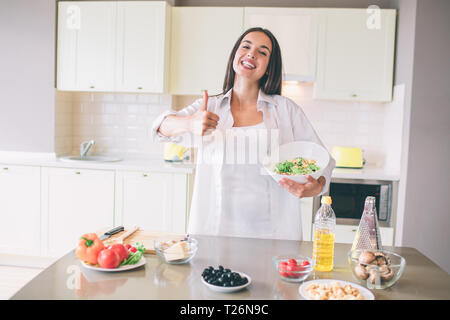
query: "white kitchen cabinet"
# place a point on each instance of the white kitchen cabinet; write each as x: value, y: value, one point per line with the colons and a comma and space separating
x: 201, y: 42
x: 143, y: 34
x: 355, y: 55
x: 113, y: 46
x: 20, y: 209
x: 86, y: 45
x: 347, y: 233
x: 296, y: 32
x: 74, y: 201
x: 154, y: 201
x: 306, y: 207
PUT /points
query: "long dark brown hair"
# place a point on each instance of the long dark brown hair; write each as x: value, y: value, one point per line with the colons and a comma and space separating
x: 270, y: 83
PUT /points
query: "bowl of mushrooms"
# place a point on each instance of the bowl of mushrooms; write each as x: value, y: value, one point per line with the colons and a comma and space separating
x: 376, y: 269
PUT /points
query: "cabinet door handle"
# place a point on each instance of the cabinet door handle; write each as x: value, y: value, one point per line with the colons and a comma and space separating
x: 77, y: 172
x: 139, y: 88
x: 354, y: 230
x: 6, y: 168
x: 354, y: 95
x: 145, y: 175
x: 92, y: 87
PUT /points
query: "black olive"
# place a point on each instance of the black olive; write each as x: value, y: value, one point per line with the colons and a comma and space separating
x: 227, y: 270
x: 221, y: 268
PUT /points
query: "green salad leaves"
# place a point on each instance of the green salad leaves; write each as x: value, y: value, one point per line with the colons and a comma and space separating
x: 296, y: 166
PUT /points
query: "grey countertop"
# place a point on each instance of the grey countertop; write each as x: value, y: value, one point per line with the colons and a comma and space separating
x: 68, y: 279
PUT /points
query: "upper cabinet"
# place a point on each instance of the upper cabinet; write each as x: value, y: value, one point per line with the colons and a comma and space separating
x: 130, y: 46
x: 113, y: 46
x: 86, y: 46
x: 355, y: 55
x: 296, y: 32
x: 202, y: 40
x: 144, y: 30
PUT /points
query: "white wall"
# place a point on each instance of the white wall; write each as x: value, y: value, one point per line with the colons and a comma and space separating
x: 427, y: 213
x: 27, y: 71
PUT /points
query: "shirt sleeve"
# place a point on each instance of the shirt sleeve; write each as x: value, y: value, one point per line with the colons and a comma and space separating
x: 303, y: 130
x: 183, y: 139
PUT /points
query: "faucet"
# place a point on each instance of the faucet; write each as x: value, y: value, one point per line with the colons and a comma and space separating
x: 85, y: 146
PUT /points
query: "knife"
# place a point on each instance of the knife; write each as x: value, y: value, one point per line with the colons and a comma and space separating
x: 109, y: 233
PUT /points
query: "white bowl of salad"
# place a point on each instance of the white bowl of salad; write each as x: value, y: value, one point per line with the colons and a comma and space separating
x: 297, y: 160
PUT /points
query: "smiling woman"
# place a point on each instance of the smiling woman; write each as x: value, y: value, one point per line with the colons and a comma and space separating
x: 233, y: 196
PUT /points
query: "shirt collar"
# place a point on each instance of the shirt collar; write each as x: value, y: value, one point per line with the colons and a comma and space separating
x: 262, y: 97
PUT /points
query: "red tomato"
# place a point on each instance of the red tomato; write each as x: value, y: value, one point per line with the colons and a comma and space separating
x: 292, y: 262
x: 291, y: 271
x: 128, y: 246
x: 121, y: 250
x: 282, y: 266
x: 132, y: 249
x: 108, y: 259
x: 305, y: 263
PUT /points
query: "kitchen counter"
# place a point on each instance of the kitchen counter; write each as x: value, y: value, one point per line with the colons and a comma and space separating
x: 128, y: 164
x: 68, y: 279
x: 368, y: 172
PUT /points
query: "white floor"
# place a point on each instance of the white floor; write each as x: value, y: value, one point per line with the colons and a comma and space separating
x: 12, y: 279
x: 16, y: 271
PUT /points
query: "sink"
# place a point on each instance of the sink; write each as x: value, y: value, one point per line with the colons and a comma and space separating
x: 90, y: 159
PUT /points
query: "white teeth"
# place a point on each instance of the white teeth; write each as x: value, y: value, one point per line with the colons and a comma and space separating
x: 247, y: 64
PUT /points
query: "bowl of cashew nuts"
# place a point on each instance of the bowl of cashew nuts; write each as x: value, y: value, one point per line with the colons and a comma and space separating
x: 376, y: 269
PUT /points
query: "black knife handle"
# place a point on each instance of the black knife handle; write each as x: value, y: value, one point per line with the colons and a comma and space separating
x: 115, y: 230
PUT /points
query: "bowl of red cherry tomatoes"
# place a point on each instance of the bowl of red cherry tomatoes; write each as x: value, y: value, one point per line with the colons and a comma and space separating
x: 294, y: 267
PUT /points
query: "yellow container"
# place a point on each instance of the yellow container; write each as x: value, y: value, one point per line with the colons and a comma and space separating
x: 347, y: 157
x: 174, y: 152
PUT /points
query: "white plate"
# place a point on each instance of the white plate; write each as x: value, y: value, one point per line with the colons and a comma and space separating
x: 364, y: 291
x: 228, y: 289
x: 121, y: 268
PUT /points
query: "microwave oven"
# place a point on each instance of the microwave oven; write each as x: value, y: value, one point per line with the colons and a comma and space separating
x: 349, y: 195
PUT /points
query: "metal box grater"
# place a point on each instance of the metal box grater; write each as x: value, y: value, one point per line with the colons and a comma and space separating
x: 368, y: 234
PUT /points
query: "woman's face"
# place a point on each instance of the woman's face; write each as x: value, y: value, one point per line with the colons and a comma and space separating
x: 252, y: 56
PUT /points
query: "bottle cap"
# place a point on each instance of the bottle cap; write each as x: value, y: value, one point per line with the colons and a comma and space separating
x: 326, y: 199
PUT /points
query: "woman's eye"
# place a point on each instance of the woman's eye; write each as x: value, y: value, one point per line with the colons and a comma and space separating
x: 263, y: 53
x: 246, y: 47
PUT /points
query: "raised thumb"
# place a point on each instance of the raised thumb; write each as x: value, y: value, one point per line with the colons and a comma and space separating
x: 205, y: 100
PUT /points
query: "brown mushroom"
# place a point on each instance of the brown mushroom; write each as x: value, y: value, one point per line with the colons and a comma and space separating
x: 386, y: 273
x: 382, y: 259
x: 366, y: 257
x: 361, y: 272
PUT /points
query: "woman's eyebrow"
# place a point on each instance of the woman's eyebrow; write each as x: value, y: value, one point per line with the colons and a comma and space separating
x: 263, y: 46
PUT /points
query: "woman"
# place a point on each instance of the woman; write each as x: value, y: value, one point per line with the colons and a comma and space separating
x: 235, y: 199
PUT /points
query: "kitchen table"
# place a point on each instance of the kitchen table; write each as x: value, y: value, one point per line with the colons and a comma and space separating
x: 68, y: 279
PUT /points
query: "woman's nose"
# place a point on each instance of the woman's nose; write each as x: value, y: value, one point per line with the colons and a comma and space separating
x: 251, y: 55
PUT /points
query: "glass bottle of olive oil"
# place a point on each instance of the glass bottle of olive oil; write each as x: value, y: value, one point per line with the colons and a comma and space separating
x: 324, y: 229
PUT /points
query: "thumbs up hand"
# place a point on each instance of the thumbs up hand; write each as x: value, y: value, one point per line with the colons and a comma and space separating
x: 202, y: 121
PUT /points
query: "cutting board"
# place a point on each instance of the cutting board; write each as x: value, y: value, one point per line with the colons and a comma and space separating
x: 142, y: 236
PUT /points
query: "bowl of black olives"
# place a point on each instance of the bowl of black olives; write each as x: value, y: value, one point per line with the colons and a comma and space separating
x: 224, y: 280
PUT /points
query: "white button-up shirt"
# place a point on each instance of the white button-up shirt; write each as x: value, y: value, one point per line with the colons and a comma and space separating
x: 207, y: 208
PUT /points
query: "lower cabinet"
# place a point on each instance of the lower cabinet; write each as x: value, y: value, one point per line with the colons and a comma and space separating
x: 74, y: 202
x: 20, y: 209
x: 154, y: 201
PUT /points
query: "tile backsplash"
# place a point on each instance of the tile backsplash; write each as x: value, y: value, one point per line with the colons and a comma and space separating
x: 120, y: 123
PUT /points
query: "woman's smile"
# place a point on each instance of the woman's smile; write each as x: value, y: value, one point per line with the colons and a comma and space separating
x: 248, y: 64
